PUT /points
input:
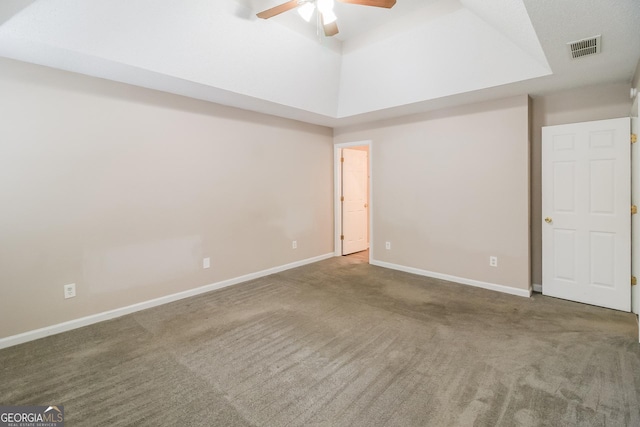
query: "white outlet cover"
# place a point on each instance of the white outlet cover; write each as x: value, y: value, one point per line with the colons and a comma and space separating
x: 206, y: 263
x: 294, y: 244
x: 387, y: 245
x: 70, y: 290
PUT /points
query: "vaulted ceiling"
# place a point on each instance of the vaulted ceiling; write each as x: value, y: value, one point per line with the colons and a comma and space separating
x: 418, y: 56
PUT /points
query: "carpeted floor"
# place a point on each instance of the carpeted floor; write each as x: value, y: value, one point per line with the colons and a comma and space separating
x: 340, y: 343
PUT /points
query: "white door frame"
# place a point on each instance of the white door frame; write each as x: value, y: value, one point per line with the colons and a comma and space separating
x: 635, y: 199
x: 635, y: 221
x: 337, y: 192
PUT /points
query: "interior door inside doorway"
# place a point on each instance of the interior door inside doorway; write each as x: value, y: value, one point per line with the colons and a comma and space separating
x: 355, y: 200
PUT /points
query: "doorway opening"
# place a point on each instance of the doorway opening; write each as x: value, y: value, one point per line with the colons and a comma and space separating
x: 353, y: 199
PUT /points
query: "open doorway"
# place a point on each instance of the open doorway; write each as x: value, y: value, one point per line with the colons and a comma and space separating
x: 353, y: 222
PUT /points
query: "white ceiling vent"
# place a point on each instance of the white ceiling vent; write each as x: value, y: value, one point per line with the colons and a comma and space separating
x: 585, y: 47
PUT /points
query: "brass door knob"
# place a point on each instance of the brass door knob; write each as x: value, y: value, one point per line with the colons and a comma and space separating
x: 548, y: 220
x: 366, y: 205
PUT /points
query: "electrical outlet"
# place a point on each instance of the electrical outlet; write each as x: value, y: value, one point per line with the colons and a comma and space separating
x: 294, y: 244
x: 69, y: 290
x: 387, y: 245
x: 493, y: 261
x: 206, y: 262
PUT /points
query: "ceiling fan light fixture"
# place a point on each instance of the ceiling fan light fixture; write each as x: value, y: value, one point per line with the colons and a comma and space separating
x: 328, y: 17
x: 325, y: 17
x: 325, y: 6
x: 306, y: 11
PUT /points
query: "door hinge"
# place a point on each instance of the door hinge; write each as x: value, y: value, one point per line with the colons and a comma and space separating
x: 342, y: 199
x: 634, y: 138
x: 634, y: 209
x: 342, y: 159
x: 634, y: 281
x: 342, y: 237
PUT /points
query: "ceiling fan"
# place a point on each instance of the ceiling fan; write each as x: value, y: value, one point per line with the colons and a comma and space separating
x: 326, y: 17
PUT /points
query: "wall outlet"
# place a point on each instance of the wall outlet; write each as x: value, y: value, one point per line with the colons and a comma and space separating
x: 69, y: 290
x: 387, y: 245
x: 294, y: 244
x: 206, y: 262
x: 493, y: 261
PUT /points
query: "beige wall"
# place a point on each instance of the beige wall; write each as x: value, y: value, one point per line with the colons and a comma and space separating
x: 577, y: 105
x: 124, y: 190
x: 451, y: 188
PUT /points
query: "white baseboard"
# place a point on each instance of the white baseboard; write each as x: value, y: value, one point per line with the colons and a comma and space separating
x: 461, y: 280
x: 537, y: 288
x: 118, y: 312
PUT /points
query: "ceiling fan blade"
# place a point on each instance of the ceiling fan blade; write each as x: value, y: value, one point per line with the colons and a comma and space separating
x: 377, y: 3
x: 277, y: 10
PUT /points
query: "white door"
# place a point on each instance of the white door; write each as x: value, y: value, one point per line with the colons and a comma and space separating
x: 354, y: 200
x: 586, y: 200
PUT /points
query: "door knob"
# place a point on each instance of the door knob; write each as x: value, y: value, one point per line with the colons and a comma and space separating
x: 366, y: 205
x: 548, y: 220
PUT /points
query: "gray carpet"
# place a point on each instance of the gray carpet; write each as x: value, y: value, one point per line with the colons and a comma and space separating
x: 340, y: 343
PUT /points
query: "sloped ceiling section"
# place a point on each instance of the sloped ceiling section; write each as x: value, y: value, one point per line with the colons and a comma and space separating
x: 11, y: 7
x: 511, y: 19
x: 204, y: 42
x: 420, y: 55
x: 445, y: 49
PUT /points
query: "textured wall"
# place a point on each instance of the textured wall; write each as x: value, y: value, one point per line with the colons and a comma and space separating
x: 124, y: 191
x: 451, y: 188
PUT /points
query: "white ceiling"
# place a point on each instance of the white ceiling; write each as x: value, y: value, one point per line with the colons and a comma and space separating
x: 420, y: 55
